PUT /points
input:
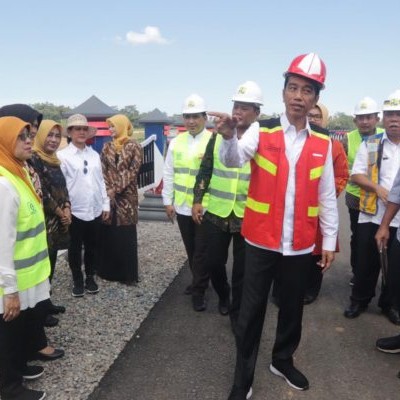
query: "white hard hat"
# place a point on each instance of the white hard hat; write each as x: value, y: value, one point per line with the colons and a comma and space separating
x: 366, y: 106
x: 194, y: 104
x: 393, y: 102
x: 249, y: 92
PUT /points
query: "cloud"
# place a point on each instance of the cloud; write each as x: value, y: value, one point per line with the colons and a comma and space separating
x: 151, y: 35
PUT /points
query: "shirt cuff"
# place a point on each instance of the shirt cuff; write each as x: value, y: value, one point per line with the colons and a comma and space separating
x: 9, y: 283
x: 329, y: 243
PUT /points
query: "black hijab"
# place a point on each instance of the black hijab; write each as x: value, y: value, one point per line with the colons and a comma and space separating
x: 21, y: 111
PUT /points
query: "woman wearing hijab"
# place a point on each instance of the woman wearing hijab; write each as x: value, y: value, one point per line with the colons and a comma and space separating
x: 121, y: 159
x: 34, y: 118
x: 56, y: 204
x: 24, y: 263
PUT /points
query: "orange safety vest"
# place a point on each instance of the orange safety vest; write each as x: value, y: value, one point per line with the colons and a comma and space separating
x: 265, y: 206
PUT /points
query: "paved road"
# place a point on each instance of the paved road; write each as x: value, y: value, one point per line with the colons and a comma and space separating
x: 182, y: 355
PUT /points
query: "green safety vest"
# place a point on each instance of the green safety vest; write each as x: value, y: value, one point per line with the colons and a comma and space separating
x: 186, y: 168
x: 228, y: 187
x: 354, y: 140
x: 31, y: 260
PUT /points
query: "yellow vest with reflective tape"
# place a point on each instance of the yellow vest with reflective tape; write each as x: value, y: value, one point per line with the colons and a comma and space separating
x: 228, y: 187
x: 368, y: 200
x: 31, y: 260
x: 186, y: 167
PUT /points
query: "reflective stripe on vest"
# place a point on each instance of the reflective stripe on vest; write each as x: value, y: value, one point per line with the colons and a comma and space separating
x: 31, y: 259
x: 186, y: 167
x: 368, y: 200
x: 228, y: 186
x: 265, y: 206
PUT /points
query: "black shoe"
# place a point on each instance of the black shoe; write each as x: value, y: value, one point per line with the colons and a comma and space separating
x: 309, y: 298
x: 290, y: 374
x: 392, y: 315
x: 26, y: 394
x: 240, y: 394
x: 389, y: 344
x: 32, y: 372
x: 57, y: 353
x: 189, y: 290
x: 78, y: 290
x: 354, y: 310
x: 50, y: 321
x: 53, y: 309
x: 223, y: 306
x: 90, y: 285
x: 199, y: 302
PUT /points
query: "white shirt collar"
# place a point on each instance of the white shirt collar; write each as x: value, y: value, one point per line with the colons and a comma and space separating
x: 77, y: 150
x: 286, y: 125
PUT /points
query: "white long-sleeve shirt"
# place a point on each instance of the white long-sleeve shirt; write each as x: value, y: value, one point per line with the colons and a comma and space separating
x: 168, y: 174
x: 87, y: 191
x: 390, y: 164
x: 234, y: 153
x: 9, y: 205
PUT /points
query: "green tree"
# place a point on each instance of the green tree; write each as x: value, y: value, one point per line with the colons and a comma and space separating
x: 341, y: 122
x: 51, y: 111
x: 131, y: 112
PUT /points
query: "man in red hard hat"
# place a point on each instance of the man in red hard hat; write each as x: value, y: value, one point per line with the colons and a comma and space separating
x: 291, y: 186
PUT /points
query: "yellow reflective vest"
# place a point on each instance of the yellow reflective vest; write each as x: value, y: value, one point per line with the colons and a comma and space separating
x: 228, y: 187
x: 368, y: 200
x: 186, y: 167
x: 31, y: 259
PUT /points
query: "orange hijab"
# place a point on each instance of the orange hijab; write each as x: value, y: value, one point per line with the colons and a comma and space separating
x: 10, y: 128
x: 123, y: 128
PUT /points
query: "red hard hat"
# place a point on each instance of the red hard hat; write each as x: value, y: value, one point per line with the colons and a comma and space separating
x: 309, y: 66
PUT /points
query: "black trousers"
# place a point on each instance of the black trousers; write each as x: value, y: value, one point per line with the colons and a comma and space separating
x: 195, y: 242
x: 261, y: 267
x: 368, y: 267
x: 353, y: 238
x: 19, y: 340
x: 394, y: 273
x: 217, y: 256
x: 53, y: 261
x: 315, y: 276
x: 83, y: 234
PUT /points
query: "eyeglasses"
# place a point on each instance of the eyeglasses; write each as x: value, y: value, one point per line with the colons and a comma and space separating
x: 24, y: 136
x: 80, y: 128
x: 316, y: 117
x: 85, y: 164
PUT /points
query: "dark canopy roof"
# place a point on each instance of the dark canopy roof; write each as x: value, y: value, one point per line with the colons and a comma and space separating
x: 92, y: 108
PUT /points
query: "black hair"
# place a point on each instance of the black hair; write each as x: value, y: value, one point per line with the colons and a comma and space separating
x: 21, y: 111
x: 316, y: 86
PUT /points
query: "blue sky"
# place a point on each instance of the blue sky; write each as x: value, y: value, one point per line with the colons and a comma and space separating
x: 63, y: 52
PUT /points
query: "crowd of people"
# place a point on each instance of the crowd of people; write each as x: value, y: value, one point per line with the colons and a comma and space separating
x: 269, y: 186
x: 53, y: 199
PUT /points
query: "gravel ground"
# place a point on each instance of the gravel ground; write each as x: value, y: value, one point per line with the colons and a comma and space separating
x: 95, y: 328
